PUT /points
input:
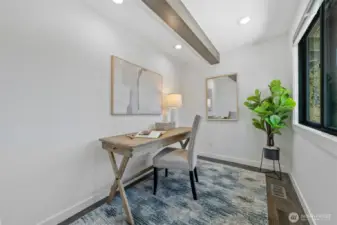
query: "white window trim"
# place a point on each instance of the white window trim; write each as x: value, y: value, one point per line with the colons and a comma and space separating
x: 309, y: 16
x: 322, y: 140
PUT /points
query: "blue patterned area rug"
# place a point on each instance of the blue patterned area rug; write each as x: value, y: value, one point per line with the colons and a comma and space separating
x: 226, y: 196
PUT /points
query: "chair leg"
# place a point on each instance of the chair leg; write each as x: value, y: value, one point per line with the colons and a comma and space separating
x: 196, y: 175
x: 166, y: 172
x: 155, y: 180
x: 193, y: 186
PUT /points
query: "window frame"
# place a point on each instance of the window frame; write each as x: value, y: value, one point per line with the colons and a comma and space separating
x: 303, y: 76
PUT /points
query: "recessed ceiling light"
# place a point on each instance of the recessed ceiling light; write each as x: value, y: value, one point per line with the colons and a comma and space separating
x: 244, y: 20
x: 118, y: 1
x: 178, y: 47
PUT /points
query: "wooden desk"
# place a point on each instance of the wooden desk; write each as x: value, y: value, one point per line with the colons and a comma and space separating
x: 128, y: 147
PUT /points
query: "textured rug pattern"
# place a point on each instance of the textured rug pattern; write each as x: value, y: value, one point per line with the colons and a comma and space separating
x: 226, y: 196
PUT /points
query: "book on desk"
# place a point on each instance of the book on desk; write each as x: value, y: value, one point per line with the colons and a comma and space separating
x: 149, y: 134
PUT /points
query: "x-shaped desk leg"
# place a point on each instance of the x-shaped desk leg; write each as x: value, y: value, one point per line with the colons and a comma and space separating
x: 184, y: 144
x: 119, y: 184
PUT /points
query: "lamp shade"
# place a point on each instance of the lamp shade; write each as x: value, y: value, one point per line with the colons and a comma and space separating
x: 174, y: 101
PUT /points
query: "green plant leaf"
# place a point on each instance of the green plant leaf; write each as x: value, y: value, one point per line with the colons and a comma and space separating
x: 265, y: 115
x: 258, y: 125
x: 272, y: 110
x: 262, y: 124
x: 276, y: 100
x: 275, y: 120
x: 284, y: 98
x: 251, y: 106
x: 281, y: 125
x: 253, y: 98
x: 268, y: 99
x: 276, y: 131
x: 289, y: 103
x: 265, y: 105
x: 284, y: 117
x: 276, y: 90
x: 275, y: 83
x: 283, y: 110
x: 286, y: 92
x: 260, y: 109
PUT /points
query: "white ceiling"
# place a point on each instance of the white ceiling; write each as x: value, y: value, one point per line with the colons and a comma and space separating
x: 218, y: 18
x: 138, y: 20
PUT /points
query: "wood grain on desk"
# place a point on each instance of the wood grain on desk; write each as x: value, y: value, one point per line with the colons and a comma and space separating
x: 123, y: 141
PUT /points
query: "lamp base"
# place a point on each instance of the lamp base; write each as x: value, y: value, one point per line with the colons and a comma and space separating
x: 173, y: 114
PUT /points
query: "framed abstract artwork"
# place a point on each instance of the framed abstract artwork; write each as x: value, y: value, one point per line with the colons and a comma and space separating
x: 134, y: 89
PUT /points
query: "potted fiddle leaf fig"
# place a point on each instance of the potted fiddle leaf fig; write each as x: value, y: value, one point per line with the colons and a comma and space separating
x: 272, y: 111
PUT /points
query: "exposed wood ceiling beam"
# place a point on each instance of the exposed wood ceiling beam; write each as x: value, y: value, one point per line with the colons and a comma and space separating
x: 177, y: 17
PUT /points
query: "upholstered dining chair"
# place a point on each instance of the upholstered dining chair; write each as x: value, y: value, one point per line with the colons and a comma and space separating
x: 176, y: 158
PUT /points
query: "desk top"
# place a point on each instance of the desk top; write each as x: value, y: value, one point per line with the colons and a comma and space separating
x: 127, y: 142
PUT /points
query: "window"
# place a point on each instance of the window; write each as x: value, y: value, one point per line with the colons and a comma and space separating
x: 318, y: 71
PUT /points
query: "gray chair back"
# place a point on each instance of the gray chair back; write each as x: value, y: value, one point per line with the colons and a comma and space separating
x: 192, y: 154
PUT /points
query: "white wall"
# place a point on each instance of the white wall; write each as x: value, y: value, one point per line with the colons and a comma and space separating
x: 256, y: 65
x: 314, y: 155
x: 55, y: 104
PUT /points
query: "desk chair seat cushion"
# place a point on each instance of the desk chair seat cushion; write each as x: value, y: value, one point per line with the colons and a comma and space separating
x: 171, y: 158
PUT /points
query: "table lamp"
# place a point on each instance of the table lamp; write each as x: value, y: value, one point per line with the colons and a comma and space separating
x: 173, y: 102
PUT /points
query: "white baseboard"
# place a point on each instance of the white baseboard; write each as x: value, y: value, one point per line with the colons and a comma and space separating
x: 304, y: 203
x: 72, y: 210
x: 79, y: 206
x: 248, y: 162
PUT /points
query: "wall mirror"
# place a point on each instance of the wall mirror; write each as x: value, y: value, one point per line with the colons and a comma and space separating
x: 222, y: 97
